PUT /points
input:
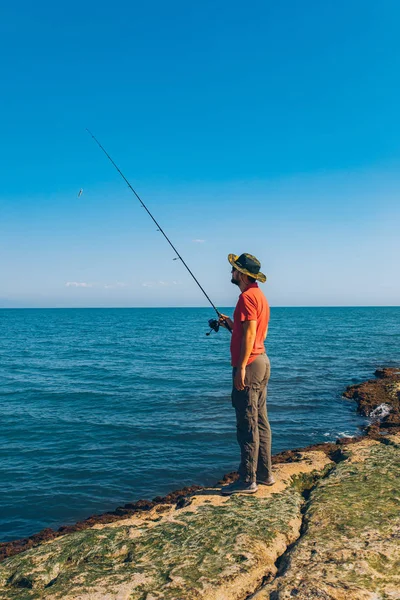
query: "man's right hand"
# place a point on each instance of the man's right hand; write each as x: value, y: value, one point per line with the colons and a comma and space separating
x: 224, y: 320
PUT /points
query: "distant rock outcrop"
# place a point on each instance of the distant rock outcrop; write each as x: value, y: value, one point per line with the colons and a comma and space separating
x: 379, y: 399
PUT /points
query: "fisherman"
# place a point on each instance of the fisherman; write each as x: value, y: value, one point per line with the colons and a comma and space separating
x: 251, y: 371
x: 250, y: 363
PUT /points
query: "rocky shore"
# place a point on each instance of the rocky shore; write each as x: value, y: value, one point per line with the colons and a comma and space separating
x: 328, y: 529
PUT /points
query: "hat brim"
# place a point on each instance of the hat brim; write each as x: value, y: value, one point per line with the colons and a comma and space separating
x: 260, y: 276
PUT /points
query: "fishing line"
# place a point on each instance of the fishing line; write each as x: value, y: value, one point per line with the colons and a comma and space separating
x: 212, y: 322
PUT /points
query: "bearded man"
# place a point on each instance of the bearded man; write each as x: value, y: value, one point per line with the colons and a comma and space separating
x: 251, y: 371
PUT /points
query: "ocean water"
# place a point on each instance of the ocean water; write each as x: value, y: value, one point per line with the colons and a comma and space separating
x: 100, y: 407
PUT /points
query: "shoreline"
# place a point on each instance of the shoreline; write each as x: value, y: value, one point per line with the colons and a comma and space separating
x: 378, y: 399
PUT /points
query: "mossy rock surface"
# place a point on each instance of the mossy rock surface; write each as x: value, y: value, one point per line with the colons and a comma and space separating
x: 350, y: 544
x: 184, y: 557
x: 345, y: 530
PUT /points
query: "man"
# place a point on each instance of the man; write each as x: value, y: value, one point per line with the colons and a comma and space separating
x: 251, y: 371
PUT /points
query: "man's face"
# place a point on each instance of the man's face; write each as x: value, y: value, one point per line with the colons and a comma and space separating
x: 235, y: 277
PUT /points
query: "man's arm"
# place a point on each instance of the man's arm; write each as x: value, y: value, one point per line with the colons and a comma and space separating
x: 249, y: 337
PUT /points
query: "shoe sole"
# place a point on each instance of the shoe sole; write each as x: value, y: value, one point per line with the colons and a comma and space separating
x: 265, y: 483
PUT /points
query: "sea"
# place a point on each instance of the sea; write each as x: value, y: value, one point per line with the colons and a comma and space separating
x: 100, y: 407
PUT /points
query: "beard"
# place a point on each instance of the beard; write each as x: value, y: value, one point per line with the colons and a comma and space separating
x: 234, y: 281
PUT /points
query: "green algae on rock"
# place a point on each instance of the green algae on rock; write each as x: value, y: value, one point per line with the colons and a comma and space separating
x: 350, y: 545
x: 342, y: 543
x: 185, y: 557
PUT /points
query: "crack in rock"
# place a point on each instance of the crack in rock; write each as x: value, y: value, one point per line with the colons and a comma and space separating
x: 282, y: 563
x: 348, y: 545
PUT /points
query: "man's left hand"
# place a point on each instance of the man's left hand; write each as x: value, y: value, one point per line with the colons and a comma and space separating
x: 239, y: 378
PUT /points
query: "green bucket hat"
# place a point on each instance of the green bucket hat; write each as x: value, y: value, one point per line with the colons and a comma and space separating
x: 247, y: 264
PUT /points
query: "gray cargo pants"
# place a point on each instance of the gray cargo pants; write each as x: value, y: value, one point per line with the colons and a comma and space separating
x: 253, y: 429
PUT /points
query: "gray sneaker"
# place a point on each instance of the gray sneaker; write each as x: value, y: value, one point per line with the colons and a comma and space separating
x: 239, y: 487
x: 269, y: 481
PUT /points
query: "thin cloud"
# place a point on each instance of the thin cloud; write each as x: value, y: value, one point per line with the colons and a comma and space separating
x: 198, y: 241
x: 77, y: 284
x: 106, y: 286
x: 160, y: 283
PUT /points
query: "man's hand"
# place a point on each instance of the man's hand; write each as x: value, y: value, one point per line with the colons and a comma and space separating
x: 224, y: 320
x: 239, y: 378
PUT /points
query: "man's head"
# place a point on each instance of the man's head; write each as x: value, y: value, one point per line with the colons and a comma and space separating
x: 241, y: 279
x: 245, y: 270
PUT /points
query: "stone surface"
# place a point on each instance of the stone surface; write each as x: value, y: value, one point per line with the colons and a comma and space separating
x: 216, y: 548
x: 379, y: 399
x: 349, y: 548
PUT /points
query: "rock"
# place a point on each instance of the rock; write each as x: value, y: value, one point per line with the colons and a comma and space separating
x: 350, y: 543
x: 182, y: 502
x: 379, y: 398
x: 216, y: 548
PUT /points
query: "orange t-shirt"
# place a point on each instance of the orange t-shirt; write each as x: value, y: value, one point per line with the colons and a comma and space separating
x: 252, y: 306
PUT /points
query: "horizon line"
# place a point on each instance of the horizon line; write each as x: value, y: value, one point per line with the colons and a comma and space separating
x: 190, y: 307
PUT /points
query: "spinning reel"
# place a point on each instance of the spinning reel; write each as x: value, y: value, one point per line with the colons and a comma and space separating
x: 214, y: 325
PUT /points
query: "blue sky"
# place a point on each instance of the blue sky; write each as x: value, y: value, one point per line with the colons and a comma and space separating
x: 269, y: 128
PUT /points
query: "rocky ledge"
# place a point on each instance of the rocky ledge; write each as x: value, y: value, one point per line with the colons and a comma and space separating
x: 328, y: 529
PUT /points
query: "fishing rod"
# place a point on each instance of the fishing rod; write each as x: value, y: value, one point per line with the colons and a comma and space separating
x: 213, y: 323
